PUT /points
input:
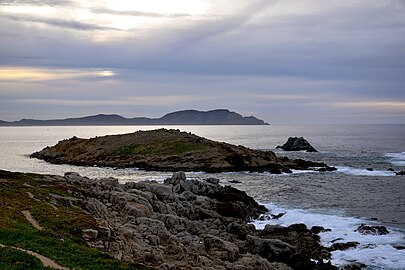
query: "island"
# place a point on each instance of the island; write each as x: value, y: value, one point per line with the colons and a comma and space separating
x: 186, y: 117
x: 168, y: 150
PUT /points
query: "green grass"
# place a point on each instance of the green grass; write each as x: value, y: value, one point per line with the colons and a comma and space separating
x: 162, y: 148
x: 13, y: 259
x: 61, y: 241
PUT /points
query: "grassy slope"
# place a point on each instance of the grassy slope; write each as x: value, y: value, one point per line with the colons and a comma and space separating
x: 61, y: 241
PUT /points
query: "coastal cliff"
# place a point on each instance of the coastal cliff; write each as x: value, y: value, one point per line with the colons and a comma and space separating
x: 167, y: 150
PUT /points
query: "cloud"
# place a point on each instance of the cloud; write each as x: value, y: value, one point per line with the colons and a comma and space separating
x: 309, y: 59
x: 71, y: 24
x: 22, y: 74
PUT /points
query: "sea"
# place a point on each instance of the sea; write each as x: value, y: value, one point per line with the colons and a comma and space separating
x: 363, y: 190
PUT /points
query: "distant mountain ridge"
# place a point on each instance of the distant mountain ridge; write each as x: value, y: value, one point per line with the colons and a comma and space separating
x: 186, y: 117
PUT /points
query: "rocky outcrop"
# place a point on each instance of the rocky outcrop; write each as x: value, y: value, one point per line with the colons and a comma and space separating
x: 167, y: 150
x: 297, y: 144
x: 190, y: 224
x: 374, y: 230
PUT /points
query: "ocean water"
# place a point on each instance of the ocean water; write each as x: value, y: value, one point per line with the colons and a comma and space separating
x: 364, y: 189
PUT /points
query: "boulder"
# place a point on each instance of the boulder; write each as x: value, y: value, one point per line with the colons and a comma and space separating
x: 319, y: 229
x: 343, y: 246
x: 89, y: 234
x: 400, y: 173
x: 297, y: 144
x: 220, y: 248
x: 374, y: 230
x: 274, y: 250
x: 176, y: 178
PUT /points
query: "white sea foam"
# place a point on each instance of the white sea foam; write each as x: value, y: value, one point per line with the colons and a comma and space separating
x: 376, y: 251
x: 363, y: 172
x: 397, y: 158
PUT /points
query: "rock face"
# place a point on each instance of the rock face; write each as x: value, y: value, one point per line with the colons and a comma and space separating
x: 167, y: 150
x: 297, y: 144
x: 190, y: 224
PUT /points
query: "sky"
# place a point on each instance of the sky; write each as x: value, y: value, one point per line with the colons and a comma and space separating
x: 284, y: 61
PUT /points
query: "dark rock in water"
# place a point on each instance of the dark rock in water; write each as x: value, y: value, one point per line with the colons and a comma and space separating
x: 398, y: 247
x: 234, y: 182
x: 277, y: 216
x: 305, y: 243
x: 343, y: 246
x: 375, y: 230
x: 354, y: 266
x: 319, y: 229
x: 400, y: 173
x: 370, y: 169
x: 391, y: 170
x: 297, y: 144
x: 326, y: 169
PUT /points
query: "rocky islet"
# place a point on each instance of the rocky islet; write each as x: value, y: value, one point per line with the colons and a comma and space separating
x: 168, y: 150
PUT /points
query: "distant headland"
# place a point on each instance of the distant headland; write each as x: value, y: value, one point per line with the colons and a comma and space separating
x: 185, y: 117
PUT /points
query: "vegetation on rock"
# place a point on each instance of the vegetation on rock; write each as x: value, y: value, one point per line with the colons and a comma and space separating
x: 61, y: 240
x: 167, y: 150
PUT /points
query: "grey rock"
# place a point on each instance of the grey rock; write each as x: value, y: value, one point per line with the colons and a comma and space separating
x: 375, y: 230
x: 176, y: 178
x: 220, y: 248
x: 214, y: 181
x: 89, y: 234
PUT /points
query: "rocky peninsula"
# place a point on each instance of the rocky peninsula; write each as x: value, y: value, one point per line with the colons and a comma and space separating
x: 168, y: 150
x: 178, y: 224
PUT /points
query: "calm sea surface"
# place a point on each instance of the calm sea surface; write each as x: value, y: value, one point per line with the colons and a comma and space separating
x: 352, y: 195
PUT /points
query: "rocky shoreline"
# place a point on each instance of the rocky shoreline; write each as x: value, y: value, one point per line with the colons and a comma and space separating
x: 169, y: 150
x: 189, y: 224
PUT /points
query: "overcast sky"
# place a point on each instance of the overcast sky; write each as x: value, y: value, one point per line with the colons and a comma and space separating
x: 285, y: 61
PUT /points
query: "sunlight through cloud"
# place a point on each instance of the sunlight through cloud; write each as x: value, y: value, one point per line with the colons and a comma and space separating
x: 37, y: 74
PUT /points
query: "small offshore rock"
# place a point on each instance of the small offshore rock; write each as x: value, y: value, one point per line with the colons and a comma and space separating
x: 297, y: 144
x: 277, y: 216
x: 234, y: 182
x: 400, y: 173
x: 374, y: 230
x: 326, y: 169
x: 319, y: 229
